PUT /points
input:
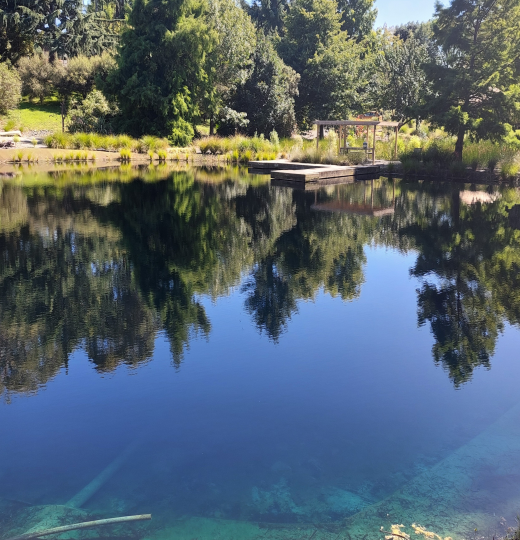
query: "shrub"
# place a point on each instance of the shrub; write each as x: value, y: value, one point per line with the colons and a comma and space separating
x: 81, y: 73
x: 162, y: 155
x: 10, y: 89
x: 10, y: 125
x: 182, y: 133
x: 414, y: 142
x: 38, y: 76
x: 125, y: 154
x: 509, y: 170
x: 411, y: 165
x: 458, y: 168
x: 92, y: 115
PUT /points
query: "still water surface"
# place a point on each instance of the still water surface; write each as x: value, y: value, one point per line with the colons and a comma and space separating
x: 255, y: 361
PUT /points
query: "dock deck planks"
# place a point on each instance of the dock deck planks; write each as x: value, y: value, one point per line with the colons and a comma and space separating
x: 309, y: 172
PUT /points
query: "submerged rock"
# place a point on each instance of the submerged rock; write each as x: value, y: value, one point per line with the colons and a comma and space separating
x: 277, y: 500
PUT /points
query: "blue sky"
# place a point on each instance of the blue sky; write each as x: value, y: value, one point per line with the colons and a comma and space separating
x: 394, y: 12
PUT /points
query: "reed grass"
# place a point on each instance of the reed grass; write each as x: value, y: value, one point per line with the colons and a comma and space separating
x: 94, y: 141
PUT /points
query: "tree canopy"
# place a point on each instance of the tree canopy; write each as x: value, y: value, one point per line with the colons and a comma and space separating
x: 480, y: 62
x: 60, y: 27
x: 162, y: 68
x: 328, y: 61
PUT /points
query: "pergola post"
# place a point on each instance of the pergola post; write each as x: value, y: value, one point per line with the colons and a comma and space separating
x: 317, y: 136
x: 374, y: 148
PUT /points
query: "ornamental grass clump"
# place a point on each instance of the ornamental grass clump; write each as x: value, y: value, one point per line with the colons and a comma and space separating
x: 57, y: 140
x: 509, y: 170
x: 125, y: 155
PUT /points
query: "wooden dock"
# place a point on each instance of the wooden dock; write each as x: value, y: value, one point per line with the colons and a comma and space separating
x: 288, y: 171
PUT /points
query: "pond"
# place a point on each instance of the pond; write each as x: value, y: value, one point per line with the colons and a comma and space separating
x: 244, y: 360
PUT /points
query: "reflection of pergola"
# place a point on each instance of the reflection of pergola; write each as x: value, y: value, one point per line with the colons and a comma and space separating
x: 342, y: 127
x: 347, y: 207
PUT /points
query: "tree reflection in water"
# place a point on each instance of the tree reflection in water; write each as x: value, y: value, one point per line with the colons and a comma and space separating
x: 108, y: 262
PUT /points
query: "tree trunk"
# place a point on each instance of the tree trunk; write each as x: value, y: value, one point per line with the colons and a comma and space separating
x: 63, y: 116
x: 459, y: 145
x: 211, y: 126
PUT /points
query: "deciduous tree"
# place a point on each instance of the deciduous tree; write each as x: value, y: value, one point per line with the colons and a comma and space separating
x: 10, y: 89
x: 400, y: 82
x: 480, y: 45
x: 231, y: 62
x: 357, y: 17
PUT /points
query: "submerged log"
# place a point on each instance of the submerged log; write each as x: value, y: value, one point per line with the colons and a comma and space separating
x: 84, y: 525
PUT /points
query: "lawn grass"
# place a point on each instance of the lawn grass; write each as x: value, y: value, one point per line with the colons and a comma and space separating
x: 31, y: 116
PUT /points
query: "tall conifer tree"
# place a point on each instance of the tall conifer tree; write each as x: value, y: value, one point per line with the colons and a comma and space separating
x: 161, y: 68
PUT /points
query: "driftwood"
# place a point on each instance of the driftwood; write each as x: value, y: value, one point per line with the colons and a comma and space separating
x: 84, y: 525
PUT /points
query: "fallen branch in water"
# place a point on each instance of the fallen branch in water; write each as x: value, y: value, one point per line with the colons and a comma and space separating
x: 84, y: 525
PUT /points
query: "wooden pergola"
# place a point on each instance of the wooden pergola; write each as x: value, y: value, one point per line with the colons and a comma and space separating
x: 342, y: 127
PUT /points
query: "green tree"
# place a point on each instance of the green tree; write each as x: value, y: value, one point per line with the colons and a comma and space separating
x: 268, y: 14
x: 231, y: 62
x: 91, y: 115
x: 400, y: 83
x: 77, y: 78
x: 480, y: 46
x: 10, y: 89
x: 161, y: 75
x: 357, y: 17
x: 38, y: 76
x: 60, y: 27
x: 328, y: 61
x: 267, y: 96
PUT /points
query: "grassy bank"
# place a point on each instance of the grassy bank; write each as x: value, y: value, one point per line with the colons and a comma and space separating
x: 436, y: 157
x: 32, y: 116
